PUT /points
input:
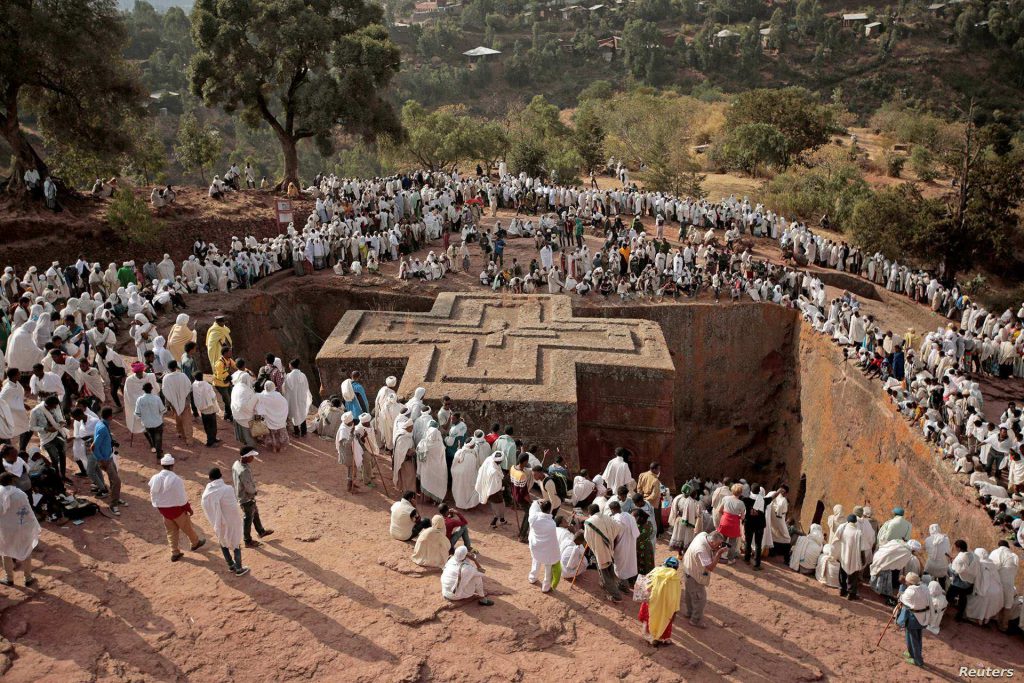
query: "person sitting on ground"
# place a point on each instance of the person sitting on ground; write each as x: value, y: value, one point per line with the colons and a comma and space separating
x: 455, y: 526
x: 406, y: 523
x: 432, y: 545
x: 463, y: 579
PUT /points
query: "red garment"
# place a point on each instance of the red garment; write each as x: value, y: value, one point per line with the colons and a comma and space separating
x: 175, y: 512
x: 729, y: 525
x: 454, y: 522
x: 645, y: 615
x: 491, y: 438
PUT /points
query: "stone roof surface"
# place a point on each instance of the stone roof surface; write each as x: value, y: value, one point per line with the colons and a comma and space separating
x: 498, y: 347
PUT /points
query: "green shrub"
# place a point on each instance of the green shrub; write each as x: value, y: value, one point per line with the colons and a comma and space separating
x: 130, y: 218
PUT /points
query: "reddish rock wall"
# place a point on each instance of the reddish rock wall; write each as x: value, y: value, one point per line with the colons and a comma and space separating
x: 855, y: 449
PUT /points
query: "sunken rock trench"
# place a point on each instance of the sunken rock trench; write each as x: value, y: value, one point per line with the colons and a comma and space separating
x: 749, y: 392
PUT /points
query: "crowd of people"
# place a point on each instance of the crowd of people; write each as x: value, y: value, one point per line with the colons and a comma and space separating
x: 611, y: 524
x: 64, y: 378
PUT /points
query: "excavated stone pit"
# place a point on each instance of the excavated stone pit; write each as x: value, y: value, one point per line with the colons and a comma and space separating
x: 755, y: 394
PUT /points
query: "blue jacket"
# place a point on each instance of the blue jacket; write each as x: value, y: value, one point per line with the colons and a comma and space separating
x: 102, y: 444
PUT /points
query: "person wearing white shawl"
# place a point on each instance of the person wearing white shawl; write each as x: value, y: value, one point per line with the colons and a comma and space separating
x: 936, y: 546
x: 220, y: 505
x: 243, y: 407
x: 807, y: 550
x: 143, y: 332
x: 350, y: 453
x: 296, y: 391
x: 777, y: 524
x: 462, y: 578
x: 19, y: 530
x: 385, y: 398
x: 617, y: 473
x: 888, y: 561
x: 827, y: 571
x: 937, y: 608
x: 625, y: 545
x: 482, y: 448
x: 415, y: 404
x: 22, y: 351
x: 133, y: 384
x: 272, y: 406
x: 848, y: 549
x: 176, y: 389
x: 464, y: 474
x: 683, y: 518
x: 432, y: 468
x: 583, y: 490
x: 914, y: 606
x: 421, y: 424
x: 1007, y: 563
x: 987, y: 599
x: 403, y: 456
x: 571, y: 548
x: 489, y: 487
x: 544, y: 550
x: 12, y: 395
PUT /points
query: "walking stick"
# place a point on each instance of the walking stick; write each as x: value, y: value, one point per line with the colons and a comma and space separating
x: 383, y: 483
x: 893, y: 616
x: 583, y: 558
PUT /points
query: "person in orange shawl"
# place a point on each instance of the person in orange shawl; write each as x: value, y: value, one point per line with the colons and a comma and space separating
x: 657, y: 612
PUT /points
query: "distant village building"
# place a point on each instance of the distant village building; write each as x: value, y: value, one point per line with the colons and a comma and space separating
x: 608, y: 47
x: 725, y: 37
x: 854, y: 19
x: 873, y: 30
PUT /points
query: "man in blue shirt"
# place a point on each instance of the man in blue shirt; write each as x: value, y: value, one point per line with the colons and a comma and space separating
x: 103, y: 452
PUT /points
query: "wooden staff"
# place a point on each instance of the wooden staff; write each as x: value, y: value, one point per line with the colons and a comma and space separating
x: 886, y: 628
x: 583, y: 558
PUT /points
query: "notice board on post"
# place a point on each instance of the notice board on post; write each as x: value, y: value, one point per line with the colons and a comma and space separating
x: 284, y: 211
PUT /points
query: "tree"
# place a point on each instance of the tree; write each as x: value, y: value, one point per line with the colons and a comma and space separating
x: 129, y: 216
x: 896, y: 221
x: 60, y: 60
x: 436, y: 140
x: 196, y: 148
x: 643, y: 53
x: 588, y: 136
x: 654, y: 132
x: 794, y: 111
x: 304, y: 67
x: 778, y: 34
x: 750, y: 147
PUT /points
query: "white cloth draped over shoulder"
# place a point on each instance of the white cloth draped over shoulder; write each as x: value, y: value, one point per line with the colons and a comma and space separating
x: 296, y: 390
x: 221, y: 508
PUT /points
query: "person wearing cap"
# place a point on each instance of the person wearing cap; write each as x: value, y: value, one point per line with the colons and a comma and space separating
x: 245, y: 491
x: 346, y: 446
x: 218, y: 337
x: 167, y: 494
x: 223, y: 370
x: 662, y: 603
x: 912, y: 615
x: 220, y: 505
x: 897, y: 528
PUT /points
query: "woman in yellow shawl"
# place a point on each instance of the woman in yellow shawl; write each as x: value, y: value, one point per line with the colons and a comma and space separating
x: 179, y: 335
x: 432, y: 545
x: 657, y: 612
